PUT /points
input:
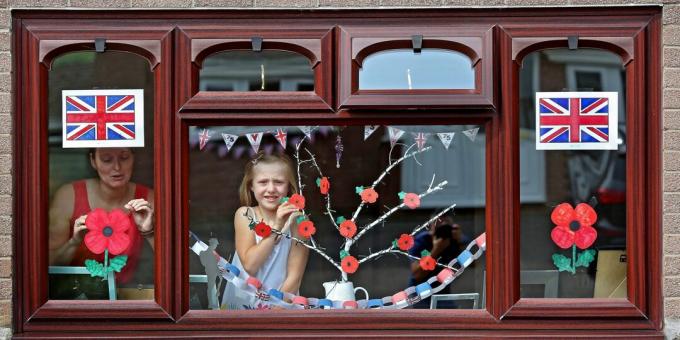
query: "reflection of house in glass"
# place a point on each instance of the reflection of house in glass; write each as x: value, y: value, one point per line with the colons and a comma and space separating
x: 269, y: 70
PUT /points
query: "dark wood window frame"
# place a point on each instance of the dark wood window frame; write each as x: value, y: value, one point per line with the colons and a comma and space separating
x: 165, y: 39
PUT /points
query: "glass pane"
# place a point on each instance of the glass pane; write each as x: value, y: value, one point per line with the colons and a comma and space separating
x: 550, y: 178
x: 402, y: 69
x: 231, y: 188
x: 82, y: 179
x: 269, y: 70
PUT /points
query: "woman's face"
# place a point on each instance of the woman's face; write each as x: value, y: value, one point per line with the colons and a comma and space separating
x: 270, y: 184
x: 113, y: 165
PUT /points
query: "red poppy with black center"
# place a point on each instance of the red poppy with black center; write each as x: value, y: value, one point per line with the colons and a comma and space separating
x: 107, y: 231
x: 324, y: 185
x: 306, y: 229
x: 297, y: 200
x: 405, y: 242
x: 427, y: 262
x: 573, y: 226
x: 348, y: 228
x: 369, y: 195
x: 263, y: 230
x: 349, y: 264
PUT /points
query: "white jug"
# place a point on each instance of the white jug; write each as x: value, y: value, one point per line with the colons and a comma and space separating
x: 342, y: 291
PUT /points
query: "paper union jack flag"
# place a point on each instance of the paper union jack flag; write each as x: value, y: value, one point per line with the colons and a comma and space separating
x: 102, y: 118
x: 573, y: 120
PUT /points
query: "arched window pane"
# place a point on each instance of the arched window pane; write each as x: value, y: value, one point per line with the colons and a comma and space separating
x: 401, y: 69
x: 269, y: 70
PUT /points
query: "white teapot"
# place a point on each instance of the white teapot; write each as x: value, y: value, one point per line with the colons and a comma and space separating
x: 342, y: 291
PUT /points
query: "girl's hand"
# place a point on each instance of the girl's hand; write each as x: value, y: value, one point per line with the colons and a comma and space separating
x: 79, y: 230
x: 282, y: 214
x: 142, y: 214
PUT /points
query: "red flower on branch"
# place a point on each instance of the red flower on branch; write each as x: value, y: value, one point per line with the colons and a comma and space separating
x: 349, y: 264
x: 427, y: 262
x: 348, y: 228
x: 574, y: 226
x: 369, y: 195
x: 306, y: 229
x: 107, y: 231
x: 297, y: 200
x: 263, y: 230
x: 324, y: 185
x: 412, y: 200
x: 405, y: 242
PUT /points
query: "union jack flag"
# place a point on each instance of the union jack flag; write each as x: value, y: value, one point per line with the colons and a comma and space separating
x: 576, y: 120
x: 95, y: 118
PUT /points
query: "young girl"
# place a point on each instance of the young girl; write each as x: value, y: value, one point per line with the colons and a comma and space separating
x: 275, y: 260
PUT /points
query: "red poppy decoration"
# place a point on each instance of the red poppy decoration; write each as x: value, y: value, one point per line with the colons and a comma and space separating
x: 574, y: 226
x: 297, y: 200
x: 324, y: 185
x: 405, y: 242
x: 348, y: 228
x: 369, y: 195
x: 427, y: 262
x: 412, y: 200
x: 306, y: 228
x: 263, y: 230
x: 107, y: 231
x: 349, y: 264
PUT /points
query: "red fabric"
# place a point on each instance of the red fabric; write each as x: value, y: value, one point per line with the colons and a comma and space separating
x: 81, y: 207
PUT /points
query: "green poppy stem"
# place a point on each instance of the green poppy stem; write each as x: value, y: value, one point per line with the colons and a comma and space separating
x: 106, y: 262
x: 573, y: 259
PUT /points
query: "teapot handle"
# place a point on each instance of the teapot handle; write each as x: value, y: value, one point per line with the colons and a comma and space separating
x: 361, y: 288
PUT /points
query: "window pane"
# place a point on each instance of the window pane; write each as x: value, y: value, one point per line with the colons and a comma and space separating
x: 79, y: 184
x: 402, y: 69
x: 217, y: 172
x: 269, y: 70
x: 550, y: 178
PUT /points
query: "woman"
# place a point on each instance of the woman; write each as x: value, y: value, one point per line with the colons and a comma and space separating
x: 112, y: 189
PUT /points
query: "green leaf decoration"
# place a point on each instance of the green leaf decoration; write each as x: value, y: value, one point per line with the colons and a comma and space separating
x: 394, y: 244
x: 424, y: 253
x: 402, y: 195
x: 343, y: 254
x: 562, y: 263
x: 340, y: 219
x: 318, y: 182
x: 300, y: 219
x: 252, y: 225
x: 117, y: 263
x: 359, y: 189
x: 95, y: 268
x: 284, y: 200
x: 585, y: 258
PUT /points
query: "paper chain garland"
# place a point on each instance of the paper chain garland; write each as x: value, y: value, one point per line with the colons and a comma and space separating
x: 255, y: 138
x: 401, y: 299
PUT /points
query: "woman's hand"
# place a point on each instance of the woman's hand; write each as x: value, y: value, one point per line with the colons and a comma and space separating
x: 282, y: 214
x: 142, y: 214
x: 79, y: 230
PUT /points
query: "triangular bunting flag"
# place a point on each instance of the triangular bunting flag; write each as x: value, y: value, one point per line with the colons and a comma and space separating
x: 420, y: 138
x: 229, y: 140
x: 203, y: 138
x: 446, y: 138
x: 395, y: 134
x: 281, y: 136
x: 472, y: 133
x: 307, y: 130
x: 255, y: 138
x: 369, y: 129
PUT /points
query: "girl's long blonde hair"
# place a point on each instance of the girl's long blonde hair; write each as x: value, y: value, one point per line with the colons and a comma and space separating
x: 247, y: 197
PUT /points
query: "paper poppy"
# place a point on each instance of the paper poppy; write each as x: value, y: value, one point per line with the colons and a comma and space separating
x: 412, y: 200
x: 297, y: 200
x: 405, y: 242
x: 348, y: 228
x: 263, y: 230
x: 107, y: 231
x: 306, y: 228
x: 427, y: 262
x: 573, y: 226
x: 324, y: 185
x: 369, y: 195
x: 349, y: 264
